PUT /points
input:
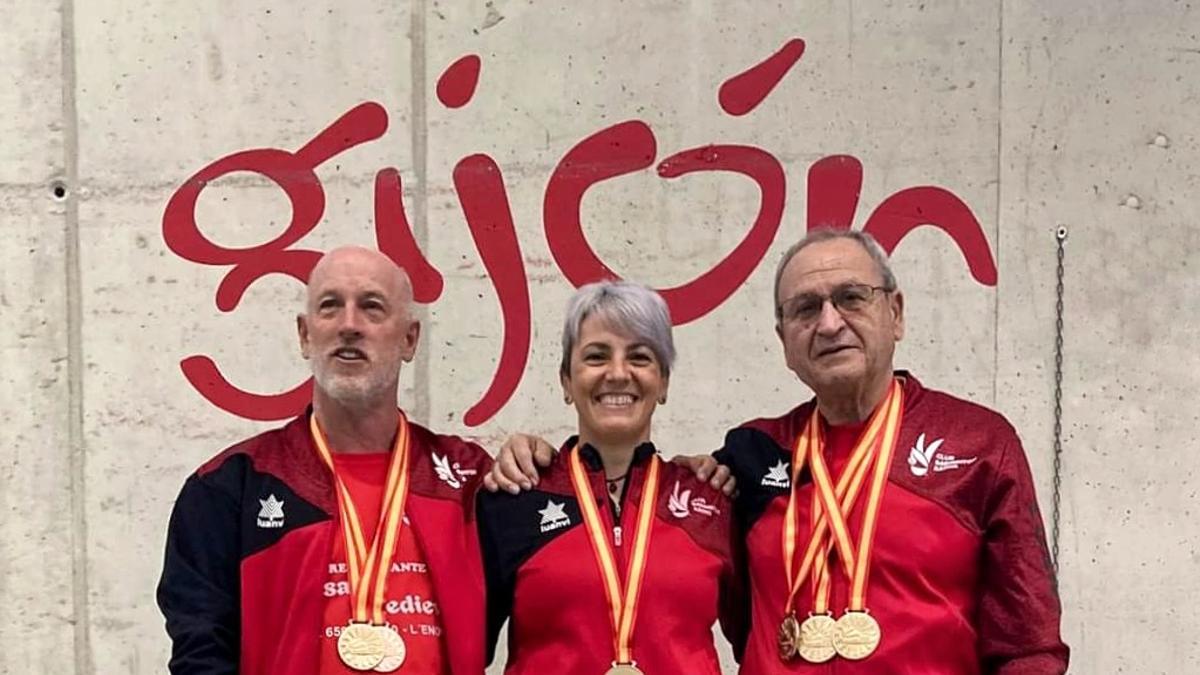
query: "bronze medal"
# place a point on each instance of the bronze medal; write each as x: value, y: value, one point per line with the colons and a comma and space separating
x: 789, y: 638
x: 816, y: 638
x: 857, y: 635
x: 360, y: 646
x: 394, y: 650
x: 624, y: 669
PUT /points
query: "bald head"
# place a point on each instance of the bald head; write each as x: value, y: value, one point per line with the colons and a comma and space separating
x: 362, y: 262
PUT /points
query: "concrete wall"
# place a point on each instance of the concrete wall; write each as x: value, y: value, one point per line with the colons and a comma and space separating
x: 1032, y: 114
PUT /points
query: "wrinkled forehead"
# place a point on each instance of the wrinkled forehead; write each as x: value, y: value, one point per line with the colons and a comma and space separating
x: 356, y: 276
x: 825, y: 265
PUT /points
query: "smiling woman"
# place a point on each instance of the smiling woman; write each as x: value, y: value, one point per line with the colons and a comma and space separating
x: 611, y: 532
x: 617, y: 357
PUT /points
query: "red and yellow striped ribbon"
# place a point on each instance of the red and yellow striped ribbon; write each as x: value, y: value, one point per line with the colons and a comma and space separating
x: 881, y: 459
x: 809, y: 445
x: 622, y: 601
x: 368, y: 567
x: 866, y: 538
x: 848, y: 487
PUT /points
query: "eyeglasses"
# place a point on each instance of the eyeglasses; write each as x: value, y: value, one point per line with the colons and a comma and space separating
x: 849, y: 299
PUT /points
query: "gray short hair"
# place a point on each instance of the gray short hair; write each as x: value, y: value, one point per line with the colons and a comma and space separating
x: 625, y: 306
x: 869, y: 244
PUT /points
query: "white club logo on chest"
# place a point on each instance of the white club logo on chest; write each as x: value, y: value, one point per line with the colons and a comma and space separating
x: 451, y: 474
x: 681, y: 504
x: 923, y: 458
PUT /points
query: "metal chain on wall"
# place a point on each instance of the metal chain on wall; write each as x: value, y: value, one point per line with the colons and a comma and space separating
x: 1061, y: 237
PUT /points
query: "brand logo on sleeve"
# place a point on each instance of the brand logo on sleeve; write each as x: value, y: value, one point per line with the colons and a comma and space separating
x: 777, y: 476
x: 270, y: 516
x: 554, y: 516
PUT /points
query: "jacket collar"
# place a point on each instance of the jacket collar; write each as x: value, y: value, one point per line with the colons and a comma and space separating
x: 591, y: 457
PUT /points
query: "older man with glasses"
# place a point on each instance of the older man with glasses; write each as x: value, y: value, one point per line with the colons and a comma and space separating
x: 888, y: 528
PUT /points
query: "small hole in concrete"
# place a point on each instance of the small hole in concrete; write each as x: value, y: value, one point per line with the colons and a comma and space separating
x: 59, y: 190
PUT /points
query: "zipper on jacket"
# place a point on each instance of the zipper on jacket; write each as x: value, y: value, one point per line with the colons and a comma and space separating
x: 617, y: 535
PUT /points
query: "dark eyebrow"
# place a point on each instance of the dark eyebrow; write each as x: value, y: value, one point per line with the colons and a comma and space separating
x: 636, y: 346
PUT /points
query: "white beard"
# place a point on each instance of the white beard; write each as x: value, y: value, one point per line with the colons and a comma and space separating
x: 356, y: 391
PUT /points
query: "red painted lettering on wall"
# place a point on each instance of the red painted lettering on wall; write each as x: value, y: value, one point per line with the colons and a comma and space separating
x: 743, y: 92
x: 485, y: 207
x: 457, y: 85
x: 834, y: 186
x: 294, y: 174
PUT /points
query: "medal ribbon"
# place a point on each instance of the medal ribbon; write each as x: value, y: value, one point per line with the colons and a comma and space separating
x: 369, y: 567
x: 847, y: 494
x: 883, y: 464
x: 622, y: 602
x: 858, y: 571
x: 808, y: 445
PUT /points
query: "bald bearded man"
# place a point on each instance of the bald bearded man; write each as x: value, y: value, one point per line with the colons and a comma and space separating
x: 342, y: 542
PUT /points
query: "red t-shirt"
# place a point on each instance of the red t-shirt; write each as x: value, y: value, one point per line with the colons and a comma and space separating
x: 409, y: 606
x: 839, y: 443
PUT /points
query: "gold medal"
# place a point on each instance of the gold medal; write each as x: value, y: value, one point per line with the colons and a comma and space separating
x: 624, y: 669
x: 857, y: 635
x: 394, y: 650
x: 809, y: 444
x: 360, y: 646
x: 367, y: 643
x: 816, y: 638
x: 789, y: 637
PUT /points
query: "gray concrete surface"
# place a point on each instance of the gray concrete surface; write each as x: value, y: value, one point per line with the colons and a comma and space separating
x: 1036, y: 115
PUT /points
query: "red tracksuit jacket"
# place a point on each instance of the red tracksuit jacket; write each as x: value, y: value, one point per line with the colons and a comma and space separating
x: 543, y: 578
x: 961, y: 581
x: 244, y: 596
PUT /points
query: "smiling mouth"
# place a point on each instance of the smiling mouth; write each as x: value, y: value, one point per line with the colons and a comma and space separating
x: 349, y: 354
x: 616, y: 400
